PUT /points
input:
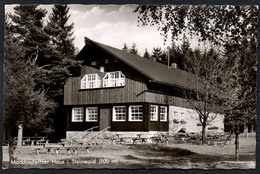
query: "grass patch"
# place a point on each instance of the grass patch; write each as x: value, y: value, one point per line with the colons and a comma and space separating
x: 129, y: 156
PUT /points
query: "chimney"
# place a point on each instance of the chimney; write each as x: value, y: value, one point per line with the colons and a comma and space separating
x: 174, y: 65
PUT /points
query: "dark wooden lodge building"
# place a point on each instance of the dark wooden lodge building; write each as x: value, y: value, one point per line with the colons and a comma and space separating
x: 124, y: 91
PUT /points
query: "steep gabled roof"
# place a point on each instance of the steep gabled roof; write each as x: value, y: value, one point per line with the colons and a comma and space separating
x: 154, y: 71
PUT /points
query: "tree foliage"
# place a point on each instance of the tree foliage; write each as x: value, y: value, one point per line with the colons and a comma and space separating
x: 63, y: 59
x: 208, y: 68
x: 233, y: 28
x: 146, y: 54
x: 23, y: 102
x: 28, y: 27
x: 157, y: 53
x: 48, y: 50
x: 218, y: 24
x: 134, y: 49
x: 61, y: 33
x: 179, y: 54
x: 243, y: 81
x: 63, y: 50
x: 125, y: 48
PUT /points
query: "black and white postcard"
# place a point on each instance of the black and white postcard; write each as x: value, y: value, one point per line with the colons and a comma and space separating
x: 130, y: 86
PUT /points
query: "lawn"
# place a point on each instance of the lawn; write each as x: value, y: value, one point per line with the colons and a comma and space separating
x: 128, y: 156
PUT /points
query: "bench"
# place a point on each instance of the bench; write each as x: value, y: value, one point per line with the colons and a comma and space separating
x: 219, y: 142
x: 58, y: 147
x: 121, y: 140
x: 25, y: 141
x: 55, y: 147
x: 74, y: 148
x: 142, y: 139
x: 31, y: 140
x: 158, y: 139
x: 37, y: 149
x: 41, y: 142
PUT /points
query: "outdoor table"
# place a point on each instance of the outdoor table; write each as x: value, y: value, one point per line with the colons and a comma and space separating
x: 114, y: 139
x: 55, y: 147
x: 156, y: 139
x: 118, y: 135
x: 38, y: 140
x: 143, y: 140
x: 139, y: 135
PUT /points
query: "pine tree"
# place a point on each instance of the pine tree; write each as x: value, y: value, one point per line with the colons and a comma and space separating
x: 63, y: 58
x: 175, y: 55
x: 185, y: 52
x: 23, y: 103
x: 146, y: 54
x: 49, y: 48
x: 133, y: 49
x: 125, y: 48
x: 27, y: 25
x: 60, y: 31
x: 157, y: 54
x: 61, y: 41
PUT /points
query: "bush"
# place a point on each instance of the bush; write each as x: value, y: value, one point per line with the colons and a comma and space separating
x: 175, y: 121
x: 183, y: 121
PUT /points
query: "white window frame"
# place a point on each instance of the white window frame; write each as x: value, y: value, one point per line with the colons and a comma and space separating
x: 90, y: 81
x: 140, y: 113
x: 153, y: 113
x: 163, y: 113
x: 117, y: 115
x: 91, y: 114
x: 114, y: 79
x: 77, y: 112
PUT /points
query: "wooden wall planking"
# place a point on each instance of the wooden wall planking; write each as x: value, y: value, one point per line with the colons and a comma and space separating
x: 73, y: 95
x: 127, y: 126
x: 152, y: 97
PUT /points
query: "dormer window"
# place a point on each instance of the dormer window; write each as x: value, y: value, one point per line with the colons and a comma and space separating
x: 114, y: 79
x: 90, y: 81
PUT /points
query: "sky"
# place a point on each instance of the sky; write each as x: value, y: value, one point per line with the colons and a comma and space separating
x: 112, y: 25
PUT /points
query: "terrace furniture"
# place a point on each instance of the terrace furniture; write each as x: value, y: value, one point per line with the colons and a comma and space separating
x: 158, y: 139
x: 142, y: 139
x: 218, y: 139
x: 57, y: 147
x: 33, y: 141
x: 123, y: 140
x: 139, y: 135
x: 37, y: 149
x: 219, y: 142
x: 39, y: 141
x: 118, y: 135
x: 74, y: 148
